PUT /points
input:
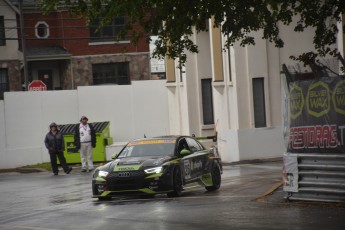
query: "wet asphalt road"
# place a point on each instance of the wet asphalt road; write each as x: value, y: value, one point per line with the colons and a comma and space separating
x: 40, y: 201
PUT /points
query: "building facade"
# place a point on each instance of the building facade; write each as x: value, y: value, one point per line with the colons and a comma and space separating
x: 236, y: 92
x: 65, y: 52
x: 10, y: 55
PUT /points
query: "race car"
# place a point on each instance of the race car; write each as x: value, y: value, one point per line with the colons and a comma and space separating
x: 166, y: 164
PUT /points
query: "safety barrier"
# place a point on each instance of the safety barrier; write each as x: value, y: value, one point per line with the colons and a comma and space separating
x: 321, y: 177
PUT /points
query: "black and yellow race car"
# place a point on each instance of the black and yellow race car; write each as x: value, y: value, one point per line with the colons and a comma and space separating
x: 149, y: 166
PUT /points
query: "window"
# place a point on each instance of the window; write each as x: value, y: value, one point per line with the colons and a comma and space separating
x: 229, y: 64
x: 111, y: 73
x: 207, y: 101
x: 182, y: 145
x: 42, y: 30
x: 110, y: 32
x: 193, y: 145
x: 259, y: 102
x: 2, y: 31
x: 4, y: 86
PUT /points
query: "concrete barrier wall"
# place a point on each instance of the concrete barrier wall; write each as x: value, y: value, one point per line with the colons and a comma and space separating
x: 133, y: 110
x: 250, y: 144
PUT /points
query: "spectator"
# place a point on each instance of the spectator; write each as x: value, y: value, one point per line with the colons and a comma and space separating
x: 85, y: 140
x: 55, y: 144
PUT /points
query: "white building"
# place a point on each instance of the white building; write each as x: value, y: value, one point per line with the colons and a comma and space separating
x: 236, y: 92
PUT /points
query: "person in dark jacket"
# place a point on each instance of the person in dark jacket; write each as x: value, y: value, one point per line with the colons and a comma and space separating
x: 55, y: 144
x: 85, y: 140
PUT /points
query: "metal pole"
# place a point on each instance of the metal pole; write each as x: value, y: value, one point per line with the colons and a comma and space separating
x: 26, y: 82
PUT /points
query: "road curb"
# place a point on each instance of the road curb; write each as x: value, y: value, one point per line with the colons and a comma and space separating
x: 23, y: 170
x: 255, y: 161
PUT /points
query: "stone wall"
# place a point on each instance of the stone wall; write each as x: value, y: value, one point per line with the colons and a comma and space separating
x: 14, y: 74
x: 139, y: 68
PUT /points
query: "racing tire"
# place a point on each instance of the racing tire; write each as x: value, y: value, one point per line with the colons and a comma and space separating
x: 177, y: 184
x: 216, y: 178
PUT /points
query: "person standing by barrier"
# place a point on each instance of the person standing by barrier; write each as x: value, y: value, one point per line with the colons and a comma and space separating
x: 55, y: 144
x: 85, y: 140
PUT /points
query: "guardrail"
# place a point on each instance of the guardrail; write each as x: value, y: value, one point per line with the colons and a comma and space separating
x: 321, y: 177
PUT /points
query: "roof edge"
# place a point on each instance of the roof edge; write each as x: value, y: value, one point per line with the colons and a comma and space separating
x: 12, y: 6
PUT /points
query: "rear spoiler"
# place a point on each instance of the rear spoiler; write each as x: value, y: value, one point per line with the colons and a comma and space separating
x: 214, y: 138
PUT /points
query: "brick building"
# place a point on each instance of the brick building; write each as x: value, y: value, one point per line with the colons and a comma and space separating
x: 64, y: 52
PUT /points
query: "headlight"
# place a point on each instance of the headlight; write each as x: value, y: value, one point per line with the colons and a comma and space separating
x: 154, y: 170
x: 102, y: 173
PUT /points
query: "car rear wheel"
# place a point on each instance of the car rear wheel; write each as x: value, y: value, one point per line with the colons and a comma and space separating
x: 216, y: 178
x: 177, y: 184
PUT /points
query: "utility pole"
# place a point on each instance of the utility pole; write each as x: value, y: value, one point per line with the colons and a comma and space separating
x: 22, y: 32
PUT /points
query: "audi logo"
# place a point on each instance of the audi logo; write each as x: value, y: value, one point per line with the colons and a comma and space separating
x: 124, y: 174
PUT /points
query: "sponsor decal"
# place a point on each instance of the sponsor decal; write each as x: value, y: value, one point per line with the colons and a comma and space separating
x: 318, y: 99
x: 131, y: 162
x: 187, y: 170
x: 150, y: 142
x: 290, y: 173
x: 71, y: 148
x: 296, y: 101
x: 338, y: 97
x: 191, y: 167
x: 314, y: 137
x: 196, y: 165
x: 317, y: 116
x: 126, y: 168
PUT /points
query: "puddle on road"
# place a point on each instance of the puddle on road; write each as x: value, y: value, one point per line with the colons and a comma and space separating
x: 64, y: 199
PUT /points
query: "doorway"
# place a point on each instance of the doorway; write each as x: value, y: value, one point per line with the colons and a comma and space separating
x: 47, y: 77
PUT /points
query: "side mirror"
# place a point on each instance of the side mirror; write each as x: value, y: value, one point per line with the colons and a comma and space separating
x: 114, y: 156
x: 185, y: 152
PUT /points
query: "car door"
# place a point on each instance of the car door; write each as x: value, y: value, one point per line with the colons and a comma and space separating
x: 194, y: 163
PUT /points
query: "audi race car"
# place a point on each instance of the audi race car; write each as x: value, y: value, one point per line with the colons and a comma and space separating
x: 150, y: 166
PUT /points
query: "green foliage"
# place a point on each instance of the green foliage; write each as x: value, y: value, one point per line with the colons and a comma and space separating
x: 237, y: 18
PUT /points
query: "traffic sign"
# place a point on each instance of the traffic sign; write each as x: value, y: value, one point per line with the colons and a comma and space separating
x: 37, y: 85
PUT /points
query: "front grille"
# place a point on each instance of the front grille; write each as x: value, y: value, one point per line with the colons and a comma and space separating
x: 125, y: 180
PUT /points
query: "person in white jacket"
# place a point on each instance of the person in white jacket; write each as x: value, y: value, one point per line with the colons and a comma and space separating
x: 85, y: 140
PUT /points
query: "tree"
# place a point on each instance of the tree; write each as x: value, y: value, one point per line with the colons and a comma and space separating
x: 237, y: 19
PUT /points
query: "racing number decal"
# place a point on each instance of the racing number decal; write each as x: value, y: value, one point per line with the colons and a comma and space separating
x: 192, y: 168
x: 187, y: 170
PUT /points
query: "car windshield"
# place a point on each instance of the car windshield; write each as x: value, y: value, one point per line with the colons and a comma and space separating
x: 149, y: 148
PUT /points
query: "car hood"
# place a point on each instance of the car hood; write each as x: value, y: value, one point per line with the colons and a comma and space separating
x: 135, y: 163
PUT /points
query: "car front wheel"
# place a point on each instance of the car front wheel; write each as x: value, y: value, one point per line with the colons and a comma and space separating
x: 216, y: 178
x: 177, y: 184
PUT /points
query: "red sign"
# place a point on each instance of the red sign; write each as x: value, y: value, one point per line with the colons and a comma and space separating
x: 37, y: 85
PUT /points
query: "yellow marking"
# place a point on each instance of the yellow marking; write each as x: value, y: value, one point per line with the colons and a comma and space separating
x: 269, y: 191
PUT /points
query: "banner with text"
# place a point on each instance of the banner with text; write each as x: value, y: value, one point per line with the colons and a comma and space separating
x: 317, y: 116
